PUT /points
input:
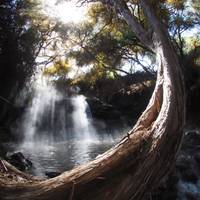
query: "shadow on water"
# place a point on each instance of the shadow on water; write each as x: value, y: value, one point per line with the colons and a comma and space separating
x: 59, y: 132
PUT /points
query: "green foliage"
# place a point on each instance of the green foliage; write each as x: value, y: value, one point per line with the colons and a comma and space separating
x: 59, y: 68
x: 20, y: 38
x: 196, y: 5
x: 22, y: 32
x: 104, y: 42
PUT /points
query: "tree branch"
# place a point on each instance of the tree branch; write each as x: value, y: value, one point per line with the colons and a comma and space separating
x: 142, y: 34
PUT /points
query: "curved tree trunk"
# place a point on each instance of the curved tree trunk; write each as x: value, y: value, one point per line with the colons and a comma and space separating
x: 134, y: 166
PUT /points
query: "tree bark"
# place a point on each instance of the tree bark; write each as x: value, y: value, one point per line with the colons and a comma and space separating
x: 132, y: 168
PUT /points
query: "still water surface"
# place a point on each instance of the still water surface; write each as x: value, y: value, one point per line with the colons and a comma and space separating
x: 64, y: 155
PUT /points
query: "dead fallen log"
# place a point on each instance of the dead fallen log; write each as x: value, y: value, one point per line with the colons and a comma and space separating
x: 132, y: 168
x: 127, y: 171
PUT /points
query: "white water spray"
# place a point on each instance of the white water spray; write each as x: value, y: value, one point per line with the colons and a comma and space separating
x: 58, y: 129
x: 43, y: 102
x: 48, y: 118
x: 81, y: 116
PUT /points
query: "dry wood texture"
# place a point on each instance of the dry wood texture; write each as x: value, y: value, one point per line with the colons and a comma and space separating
x: 133, y: 167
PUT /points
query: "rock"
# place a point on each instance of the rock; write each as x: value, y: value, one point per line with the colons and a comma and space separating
x: 197, y: 157
x: 5, y: 135
x: 183, y: 163
x: 189, y: 176
x: 19, y: 161
x: 101, y: 110
x: 2, y: 151
x: 167, y: 192
x: 173, y: 180
x: 191, y: 196
x: 132, y: 100
x: 52, y: 174
x: 191, y: 139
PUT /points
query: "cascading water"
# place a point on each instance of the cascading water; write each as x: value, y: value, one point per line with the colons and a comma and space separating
x: 48, y: 115
x: 81, y: 116
x: 57, y: 128
x: 39, y: 118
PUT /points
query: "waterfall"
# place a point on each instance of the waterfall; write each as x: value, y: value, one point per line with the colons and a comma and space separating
x: 81, y: 116
x: 52, y: 116
x: 39, y: 118
x: 57, y: 129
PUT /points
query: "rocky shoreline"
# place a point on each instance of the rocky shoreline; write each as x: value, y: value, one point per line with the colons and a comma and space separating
x: 183, y: 182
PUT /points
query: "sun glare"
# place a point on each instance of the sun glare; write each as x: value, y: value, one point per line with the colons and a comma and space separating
x: 68, y: 11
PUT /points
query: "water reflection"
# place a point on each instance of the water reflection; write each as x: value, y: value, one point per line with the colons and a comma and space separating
x: 58, y: 129
x: 62, y: 156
